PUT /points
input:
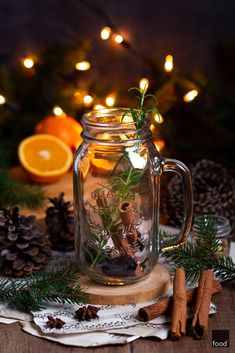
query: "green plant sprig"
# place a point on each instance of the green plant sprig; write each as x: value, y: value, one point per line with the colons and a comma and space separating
x: 201, y: 255
x: 141, y: 114
x: 31, y: 293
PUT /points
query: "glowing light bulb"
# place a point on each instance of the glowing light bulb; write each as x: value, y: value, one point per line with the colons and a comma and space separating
x: 87, y: 100
x: 152, y: 127
x: 189, y: 97
x: 28, y: 63
x: 118, y: 38
x: 169, y: 63
x: 144, y: 83
x: 159, y: 144
x: 78, y: 96
x: 105, y: 33
x: 99, y: 106
x: 83, y: 66
x: 2, y: 100
x: 158, y: 118
x: 110, y: 100
x: 58, y: 111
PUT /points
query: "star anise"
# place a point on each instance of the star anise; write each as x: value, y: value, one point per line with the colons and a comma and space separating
x: 55, y: 322
x: 87, y: 313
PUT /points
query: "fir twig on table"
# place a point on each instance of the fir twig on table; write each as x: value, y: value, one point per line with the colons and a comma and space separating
x: 202, y: 255
x: 30, y: 294
x: 14, y: 193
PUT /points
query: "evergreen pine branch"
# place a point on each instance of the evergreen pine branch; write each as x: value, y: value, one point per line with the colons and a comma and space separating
x: 31, y: 294
x: 13, y: 193
x: 202, y: 255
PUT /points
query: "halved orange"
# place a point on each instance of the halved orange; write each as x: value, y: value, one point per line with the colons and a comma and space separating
x: 101, y: 166
x: 45, y: 158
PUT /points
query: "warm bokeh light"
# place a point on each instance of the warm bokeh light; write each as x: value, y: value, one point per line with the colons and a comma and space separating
x: 144, y: 83
x: 78, y: 96
x: 159, y: 144
x: 158, y: 118
x: 83, y: 66
x: 152, y: 127
x: 58, y: 111
x: 118, y: 38
x: 87, y: 100
x: 189, y: 96
x: 110, y: 100
x: 168, y: 63
x: 28, y: 63
x: 2, y: 100
x: 105, y: 33
x: 99, y: 106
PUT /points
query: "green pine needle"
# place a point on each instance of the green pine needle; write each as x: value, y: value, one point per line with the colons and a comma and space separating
x: 32, y: 293
x: 13, y: 193
x: 202, y: 255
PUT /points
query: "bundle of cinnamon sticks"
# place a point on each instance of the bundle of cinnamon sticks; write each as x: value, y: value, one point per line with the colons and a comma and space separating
x: 177, y: 304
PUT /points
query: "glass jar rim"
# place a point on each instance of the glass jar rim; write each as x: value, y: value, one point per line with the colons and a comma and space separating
x: 91, y: 118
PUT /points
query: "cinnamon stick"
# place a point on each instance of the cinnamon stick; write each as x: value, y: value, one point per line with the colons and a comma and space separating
x: 202, y: 306
x: 128, y: 218
x: 179, y: 310
x: 123, y: 245
x: 152, y: 311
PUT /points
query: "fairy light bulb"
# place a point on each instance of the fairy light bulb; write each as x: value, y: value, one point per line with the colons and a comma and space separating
x: 189, y: 96
x: 159, y: 144
x: 110, y: 100
x: 158, y: 118
x: 28, y: 63
x: 144, y: 83
x: 2, y: 100
x: 168, y: 63
x: 99, y: 106
x: 152, y: 127
x: 83, y: 66
x: 87, y: 99
x: 58, y: 111
x: 105, y: 33
x: 118, y: 38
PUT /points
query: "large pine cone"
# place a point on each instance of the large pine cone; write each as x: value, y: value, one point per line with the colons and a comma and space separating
x: 214, y: 193
x: 23, y: 248
x: 60, y: 223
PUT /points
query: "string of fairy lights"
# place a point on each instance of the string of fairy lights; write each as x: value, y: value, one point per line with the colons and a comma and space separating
x: 111, y: 33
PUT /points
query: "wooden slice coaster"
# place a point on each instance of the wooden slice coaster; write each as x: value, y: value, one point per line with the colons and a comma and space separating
x: 154, y: 285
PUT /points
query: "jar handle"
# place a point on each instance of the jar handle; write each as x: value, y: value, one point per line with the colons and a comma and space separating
x: 173, y: 165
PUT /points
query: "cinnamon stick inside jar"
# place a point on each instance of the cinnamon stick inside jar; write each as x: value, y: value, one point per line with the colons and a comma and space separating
x: 157, y: 309
x: 179, y: 310
x: 128, y: 217
x: 202, y: 306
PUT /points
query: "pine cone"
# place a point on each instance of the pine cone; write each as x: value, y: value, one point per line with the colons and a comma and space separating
x: 60, y: 223
x: 214, y: 193
x: 23, y: 248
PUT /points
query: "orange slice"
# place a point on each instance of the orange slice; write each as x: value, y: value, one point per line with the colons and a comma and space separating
x: 101, y: 166
x: 45, y: 158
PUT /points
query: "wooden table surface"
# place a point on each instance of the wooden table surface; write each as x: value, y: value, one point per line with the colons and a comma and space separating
x: 14, y: 340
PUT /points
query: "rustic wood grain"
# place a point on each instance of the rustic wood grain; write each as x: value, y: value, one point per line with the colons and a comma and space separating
x: 13, y: 340
x: 149, y: 288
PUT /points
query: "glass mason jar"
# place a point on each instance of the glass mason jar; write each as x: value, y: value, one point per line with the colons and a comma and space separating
x: 223, y: 231
x: 117, y: 172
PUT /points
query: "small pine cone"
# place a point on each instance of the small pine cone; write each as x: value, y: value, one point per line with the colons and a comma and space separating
x: 60, y: 223
x: 23, y: 248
